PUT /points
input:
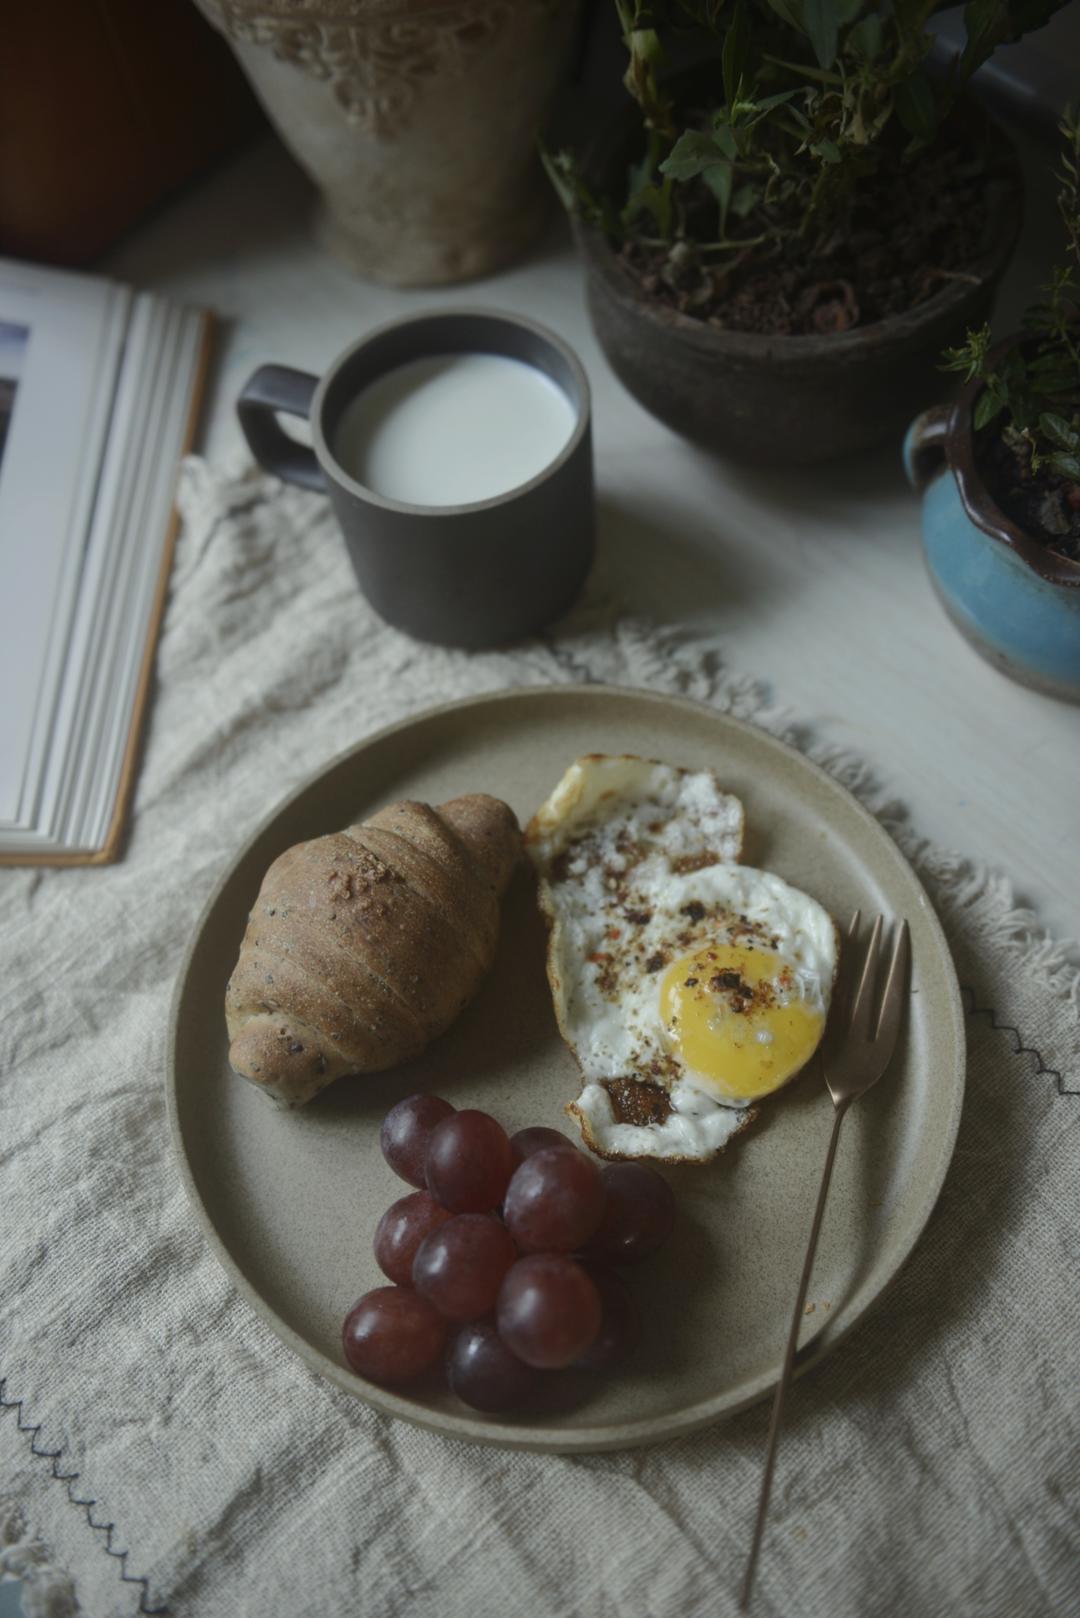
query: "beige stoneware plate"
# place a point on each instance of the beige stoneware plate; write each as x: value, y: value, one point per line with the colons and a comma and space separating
x: 289, y: 1201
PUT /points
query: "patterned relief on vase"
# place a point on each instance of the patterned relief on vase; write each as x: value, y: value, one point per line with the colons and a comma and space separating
x: 376, y: 55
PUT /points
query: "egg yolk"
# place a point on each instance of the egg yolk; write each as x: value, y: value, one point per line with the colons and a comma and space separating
x: 733, y: 1015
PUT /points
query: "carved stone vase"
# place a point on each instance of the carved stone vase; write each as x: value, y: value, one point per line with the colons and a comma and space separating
x: 417, y: 120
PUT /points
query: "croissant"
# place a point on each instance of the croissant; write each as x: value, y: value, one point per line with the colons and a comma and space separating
x: 366, y: 944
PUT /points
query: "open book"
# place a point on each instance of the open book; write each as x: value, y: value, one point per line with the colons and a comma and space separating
x: 99, y: 388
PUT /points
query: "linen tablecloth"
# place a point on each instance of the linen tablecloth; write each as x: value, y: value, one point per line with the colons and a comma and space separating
x: 930, y: 1466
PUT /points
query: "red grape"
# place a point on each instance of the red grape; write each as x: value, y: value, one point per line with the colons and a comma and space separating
x: 536, y: 1139
x: 391, y: 1335
x: 548, y: 1311
x: 619, y: 1327
x: 460, y: 1266
x: 639, y: 1215
x: 405, y: 1133
x: 484, y: 1373
x: 555, y: 1201
x: 468, y: 1162
x: 401, y: 1230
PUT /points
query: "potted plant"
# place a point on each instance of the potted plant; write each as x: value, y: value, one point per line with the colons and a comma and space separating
x: 1001, y: 535
x: 797, y: 217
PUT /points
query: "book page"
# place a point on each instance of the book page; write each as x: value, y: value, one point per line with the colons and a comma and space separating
x: 181, y: 340
x: 115, y: 613
x: 62, y: 340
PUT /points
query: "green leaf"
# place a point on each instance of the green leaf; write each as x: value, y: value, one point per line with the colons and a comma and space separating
x: 733, y: 58
x: 745, y: 200
x: 1048, y: 359
x: 724, y: 136
x: 800, y: 118
x: 767, y: 103
x: 987, y: 406
x: 692, y: 153
x: 822, y: 25
x: 990, y: 23
x: 639, y: 175
x: 789, y: 10
x: 718, y: 179
x: 1014, y: 369
x: 1058, y: 388
x: 866, y: 36
x: 1059, y: 431
x: 916, y: 106
x: 1066, y: 466
x: 558, y: 167
x: 1051, y: 360
x: 654, y: 200
x: 819, y: 74
x: 827, y: 150
x: 575, y: 196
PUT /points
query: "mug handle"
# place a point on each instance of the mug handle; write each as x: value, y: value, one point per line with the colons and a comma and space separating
x: 270, y: 389
x: 924, y: 446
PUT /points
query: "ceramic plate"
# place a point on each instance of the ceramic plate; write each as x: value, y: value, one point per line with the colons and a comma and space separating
x: 289, y: 1200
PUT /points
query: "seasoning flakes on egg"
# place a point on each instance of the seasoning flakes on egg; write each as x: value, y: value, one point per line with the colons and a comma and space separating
x: 687, y: 985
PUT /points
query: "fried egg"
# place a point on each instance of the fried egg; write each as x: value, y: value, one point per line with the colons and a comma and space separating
x: 686, y: 985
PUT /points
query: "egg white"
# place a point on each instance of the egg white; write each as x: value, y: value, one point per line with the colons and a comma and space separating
x: 637, y: 868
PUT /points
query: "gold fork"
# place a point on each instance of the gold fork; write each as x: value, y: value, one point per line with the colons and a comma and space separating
x: 857, y: 1051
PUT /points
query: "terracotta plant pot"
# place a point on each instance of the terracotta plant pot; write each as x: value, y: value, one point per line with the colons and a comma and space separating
x: 790, y: 399
x: 416, y: 119
x: 1015, y: 601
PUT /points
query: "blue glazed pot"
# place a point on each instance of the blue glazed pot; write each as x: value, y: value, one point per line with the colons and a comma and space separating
x: 1015, y: 602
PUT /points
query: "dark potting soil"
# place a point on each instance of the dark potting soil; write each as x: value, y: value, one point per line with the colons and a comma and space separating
x: 913, y: 228
x: 1043, y: 504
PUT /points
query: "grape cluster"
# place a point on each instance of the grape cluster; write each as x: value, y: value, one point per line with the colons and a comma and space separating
x: 501, y: 1256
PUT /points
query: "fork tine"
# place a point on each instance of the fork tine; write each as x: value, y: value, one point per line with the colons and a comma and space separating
x: 841, y: 999
x: 862, y: 1009
x: 892, y: 999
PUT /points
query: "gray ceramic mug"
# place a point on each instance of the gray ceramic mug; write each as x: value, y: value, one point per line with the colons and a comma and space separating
x: 461, y: 575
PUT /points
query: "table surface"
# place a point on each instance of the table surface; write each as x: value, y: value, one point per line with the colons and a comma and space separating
x: 811, y: 580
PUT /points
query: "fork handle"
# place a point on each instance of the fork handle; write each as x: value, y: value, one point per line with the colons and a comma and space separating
x: 789, y: 1358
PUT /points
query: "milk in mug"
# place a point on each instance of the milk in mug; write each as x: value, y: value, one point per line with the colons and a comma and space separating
x: 452, y: 429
